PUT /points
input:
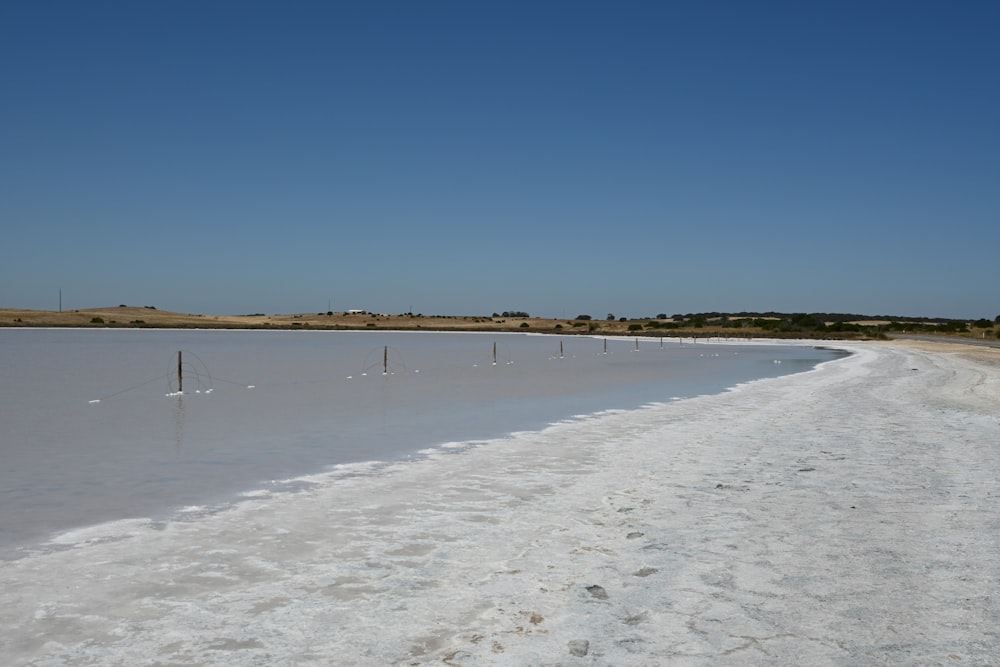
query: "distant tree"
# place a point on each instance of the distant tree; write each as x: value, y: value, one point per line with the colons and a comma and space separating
x: 661, y: 316
x: 983, y: 324
x: 611, y: 317
x: 845, y: 326
x: 623, y: 319
x: 587, y: 317
x: 802, y: 321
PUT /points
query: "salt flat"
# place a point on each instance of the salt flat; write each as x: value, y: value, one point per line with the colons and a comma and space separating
x: 845, y: 516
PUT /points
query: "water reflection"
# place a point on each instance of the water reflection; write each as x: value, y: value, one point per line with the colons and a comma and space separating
x: 179, y: 420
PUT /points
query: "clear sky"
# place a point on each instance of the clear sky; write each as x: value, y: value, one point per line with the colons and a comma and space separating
x: 466, y: 157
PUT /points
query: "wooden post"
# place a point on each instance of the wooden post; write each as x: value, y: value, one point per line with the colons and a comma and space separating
x: 385, y: 360
x: 180, y: 372
x: 494, y: 353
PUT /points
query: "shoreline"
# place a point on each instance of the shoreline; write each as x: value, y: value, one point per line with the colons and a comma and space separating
x: 841, y: 516
x: 178, y: 433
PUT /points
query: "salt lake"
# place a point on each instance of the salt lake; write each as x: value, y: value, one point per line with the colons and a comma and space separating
x: 546, y: 510
x: 94, y: 428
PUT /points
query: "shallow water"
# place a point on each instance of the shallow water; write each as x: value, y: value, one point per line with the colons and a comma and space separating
x: 93, y: 428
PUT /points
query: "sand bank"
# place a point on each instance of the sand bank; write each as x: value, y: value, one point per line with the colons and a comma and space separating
x: 845, y: 516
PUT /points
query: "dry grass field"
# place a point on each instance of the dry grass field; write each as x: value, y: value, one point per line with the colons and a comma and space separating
x: 133, y: 316
x: 149, y: 317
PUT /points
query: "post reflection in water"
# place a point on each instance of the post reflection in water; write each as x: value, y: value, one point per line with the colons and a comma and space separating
x: 178, y: 422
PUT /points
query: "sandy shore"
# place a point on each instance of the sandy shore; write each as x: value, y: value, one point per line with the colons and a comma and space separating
x: 845, y: 516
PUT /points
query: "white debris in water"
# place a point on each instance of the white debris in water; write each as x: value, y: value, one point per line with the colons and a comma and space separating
x: 842, y: 516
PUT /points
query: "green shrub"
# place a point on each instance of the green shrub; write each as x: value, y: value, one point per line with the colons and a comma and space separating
x: 524, y: 325
x: 97, y: 320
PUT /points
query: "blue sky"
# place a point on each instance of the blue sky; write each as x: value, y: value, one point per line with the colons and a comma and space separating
x: 456, y: 158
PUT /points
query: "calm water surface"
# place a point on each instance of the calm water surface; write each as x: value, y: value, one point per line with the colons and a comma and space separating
x: 92, y: 429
